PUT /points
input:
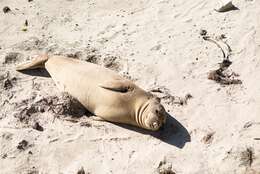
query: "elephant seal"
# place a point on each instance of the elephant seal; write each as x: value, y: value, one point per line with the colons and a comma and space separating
x: 102, y: 91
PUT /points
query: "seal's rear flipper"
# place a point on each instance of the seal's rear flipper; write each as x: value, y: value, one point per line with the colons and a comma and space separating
x: 38, y: 62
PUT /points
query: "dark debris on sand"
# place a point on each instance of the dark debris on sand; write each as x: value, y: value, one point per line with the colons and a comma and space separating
x: 169, y: 98
x: 111, y: 62
x: 37, y: 126
x: 81, y: 171
x: 208, y: 138
x: 67, y: 105
x: 22, y: 145
x: 88, y: 54
x: 12, y: 57
x: 33, y: 43
x: 203, y: 32
x: 60, y: 105
x: 33, y: 170
x: 6, y: 9
x: 92, y: 55
x: 7, y: 82
x: 227, y: 7
x: 222, y: 76
x: 247, y: 157
x: 85, y: 124
x: 165, y: 168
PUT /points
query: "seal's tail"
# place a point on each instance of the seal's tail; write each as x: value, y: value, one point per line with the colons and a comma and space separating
x: 38, y: 62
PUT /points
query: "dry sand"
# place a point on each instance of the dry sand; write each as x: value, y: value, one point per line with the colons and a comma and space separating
x: 158, y: 44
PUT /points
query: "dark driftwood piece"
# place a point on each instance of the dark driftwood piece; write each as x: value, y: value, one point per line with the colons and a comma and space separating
x: 227, y: 7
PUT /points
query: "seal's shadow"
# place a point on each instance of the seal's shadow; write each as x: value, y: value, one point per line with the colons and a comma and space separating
x: 36, y: 72
x: 173, y: 132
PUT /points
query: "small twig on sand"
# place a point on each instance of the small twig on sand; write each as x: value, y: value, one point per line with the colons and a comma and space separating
x: 207, y: 38
x: 156, y: 90
x: 219, y: 75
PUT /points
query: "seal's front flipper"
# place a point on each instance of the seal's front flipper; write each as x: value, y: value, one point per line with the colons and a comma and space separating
x: 38, y: 62
x: 118, y: 86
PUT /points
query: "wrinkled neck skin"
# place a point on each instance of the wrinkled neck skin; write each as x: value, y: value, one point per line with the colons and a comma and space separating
x: 141, y: 112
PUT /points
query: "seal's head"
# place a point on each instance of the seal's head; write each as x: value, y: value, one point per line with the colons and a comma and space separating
x: 155, y: 114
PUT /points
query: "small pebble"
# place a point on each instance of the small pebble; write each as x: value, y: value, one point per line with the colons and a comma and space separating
x: 203, y: 32
x: 81, y: 171
x: 37, y: 126
x: 26, y: 22
x: 24, y: 29
x: 22, y: 145
x: 4, y: 156
x: 8, y: 84
x: 6, y: 9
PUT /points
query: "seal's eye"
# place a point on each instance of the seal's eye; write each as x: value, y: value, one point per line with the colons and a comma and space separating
x: 156, y: 111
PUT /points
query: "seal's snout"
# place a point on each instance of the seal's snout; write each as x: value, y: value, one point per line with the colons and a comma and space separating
x: 155, y: 125
x: 156, y: 116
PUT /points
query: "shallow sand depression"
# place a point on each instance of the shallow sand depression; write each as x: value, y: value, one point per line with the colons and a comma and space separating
x: 213, y: 104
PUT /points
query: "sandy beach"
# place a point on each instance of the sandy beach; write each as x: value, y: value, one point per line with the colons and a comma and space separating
x: 213, y: 102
